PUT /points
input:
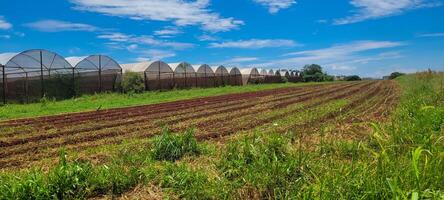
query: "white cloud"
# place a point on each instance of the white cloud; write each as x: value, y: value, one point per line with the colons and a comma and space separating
x: 59, y: 26
x: 4, y: 24
x: 254, y: 44
x: 168, y: 32
x: 180, y: 12
x: 432, y: 35
x: 241, y: 59
x: 374, y: 9
x: 343, y: 50
x: 155, y: 54
x: 5, y: 36
x: 143, y: 40
x: 275, y: 5
x: 206, y: 37
x: 340, y: 58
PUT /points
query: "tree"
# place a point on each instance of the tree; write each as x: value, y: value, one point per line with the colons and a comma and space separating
x: 352, y: 78
x: 312, y: 69
x: 395, y: 75
x: 312, y: 73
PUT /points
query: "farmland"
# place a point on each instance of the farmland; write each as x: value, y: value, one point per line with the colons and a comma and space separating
x: 27, y: 140
x: 306, y: 141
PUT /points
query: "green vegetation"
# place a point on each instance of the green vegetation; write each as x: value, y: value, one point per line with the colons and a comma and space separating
x: 116, y: 100
x: 352, y: 78
x: 314, y: 73
x: 395, y: 75
x: 172, y: 147
x: 401, y: 159
x: 132, y: 83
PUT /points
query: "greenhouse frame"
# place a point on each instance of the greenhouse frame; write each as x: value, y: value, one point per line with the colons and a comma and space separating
x: 184, y: 75
x: 250, y: 76
x: 157, y: 75
x: 34, y: 74
x: 97, y: 73
x: 235, y: 77
x: 205, y: 76
x: 222, y: 75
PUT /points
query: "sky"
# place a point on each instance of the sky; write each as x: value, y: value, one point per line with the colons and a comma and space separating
x: 370, y: 38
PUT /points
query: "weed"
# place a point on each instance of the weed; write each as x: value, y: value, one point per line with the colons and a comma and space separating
x: 172, y: 147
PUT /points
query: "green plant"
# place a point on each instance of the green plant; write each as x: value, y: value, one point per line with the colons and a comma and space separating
x: 172, y: 147
x: 132, y: 82
x: 263, y: 166
x: 184, y: 182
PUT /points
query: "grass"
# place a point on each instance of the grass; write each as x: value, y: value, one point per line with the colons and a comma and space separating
x: 116, y: 100
x: 401, y: 158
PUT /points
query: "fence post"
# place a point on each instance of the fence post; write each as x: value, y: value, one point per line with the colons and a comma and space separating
x: 174, y: 80
x: 26, y: 87
x: 145, y: 80
x: 206, y: 78
x: 100, y: 73
x: 121, y: 80
x: 4, y: 84
x: 41, y: 76
x: 73, y: 82
x: 158, y: 77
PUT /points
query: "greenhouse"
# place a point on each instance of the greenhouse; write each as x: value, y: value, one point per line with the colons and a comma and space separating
x: 96, y: 73
x: 263, y: 72
x: 250, y: 76
x: 235, y: 77
x: 272, y: 77
x: 184, y: 75
x: 283, y: 73
x: 30, y: 75
x: 295, y: 76
x: 157, y: 75
x: 222, y: 75
x: 205, y: 76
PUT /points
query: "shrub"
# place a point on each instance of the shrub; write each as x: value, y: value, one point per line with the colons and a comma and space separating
x: 69, y: 180
x: 284, y: 79
x: 395, y: 75
x: 132, y: 83
x: 172, y: 147
x: 186, y: 183
x: 262, y: 167
x: 352, y: 78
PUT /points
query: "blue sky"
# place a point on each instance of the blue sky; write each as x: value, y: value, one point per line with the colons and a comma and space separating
x: 366, y: 37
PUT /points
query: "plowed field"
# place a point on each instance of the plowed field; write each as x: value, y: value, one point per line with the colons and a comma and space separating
x: 26, y: 141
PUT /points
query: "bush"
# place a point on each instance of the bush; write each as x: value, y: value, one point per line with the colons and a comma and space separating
x: 132, y: 83
x: 172, y: 147
x: 185, y: 182
x: 352, y: 78
x: 262, y: 167
x: 395, y: 75
x: 284, y: 79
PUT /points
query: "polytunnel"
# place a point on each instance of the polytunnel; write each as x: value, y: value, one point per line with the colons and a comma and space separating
x: 263, y: 72
x: 222, y: 75
x: 157, y: 75
x: 283, y: 73
x: 235, y: 76
x: 30, y: 75
x: 294, y: 76
x: 96, y: 73
x: 184, y: 75
x: 250, y: 76
x: 272, y: 77
x: 205, y: 76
